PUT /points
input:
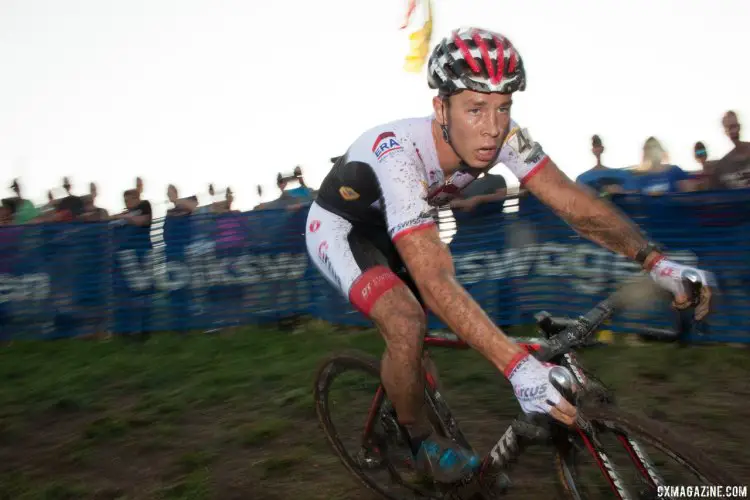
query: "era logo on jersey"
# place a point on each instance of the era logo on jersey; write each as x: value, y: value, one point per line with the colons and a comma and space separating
x: 348, y: 193
x: 385, y: 143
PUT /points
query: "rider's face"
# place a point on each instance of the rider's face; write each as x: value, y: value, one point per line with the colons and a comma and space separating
x: 478, y: 125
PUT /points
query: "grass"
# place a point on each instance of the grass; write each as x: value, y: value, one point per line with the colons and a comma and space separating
x: 231, y: 415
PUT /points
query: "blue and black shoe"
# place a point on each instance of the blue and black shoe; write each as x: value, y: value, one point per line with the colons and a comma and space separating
x: 444, y: 460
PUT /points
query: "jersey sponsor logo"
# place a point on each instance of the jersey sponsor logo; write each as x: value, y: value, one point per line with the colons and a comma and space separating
x: 323, y: 251
x: 531, y: 393
x: 323, y: 256
x: 385, y: 144
x: 667, y: 272
x: 348, y: 193
x: 314, y: 226
x: 520, y: 142
x: 424, y: 218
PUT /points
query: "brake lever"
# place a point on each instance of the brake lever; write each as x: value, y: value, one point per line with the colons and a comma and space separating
x: 692, y: 284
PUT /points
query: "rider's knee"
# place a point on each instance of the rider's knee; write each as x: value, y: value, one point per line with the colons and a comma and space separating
x: 401, y: 319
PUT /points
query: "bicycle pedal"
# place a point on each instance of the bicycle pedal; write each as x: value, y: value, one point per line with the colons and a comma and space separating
x: 366, y: 459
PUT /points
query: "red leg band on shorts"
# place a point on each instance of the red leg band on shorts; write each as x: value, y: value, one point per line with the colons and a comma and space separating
x: 370, y: 286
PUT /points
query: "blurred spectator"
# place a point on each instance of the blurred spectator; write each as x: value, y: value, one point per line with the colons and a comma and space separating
x: 132, y: 313
x: 302, y: 191
x: 259, y: 189
x: 6, y: 212
x: 701, y: 180
x: 223, y: 207
x: 182, y: 206
x: 604, y: 180
x: 486, y: 189
x: 733, y: 170
x: 48, y: 210
x: 286, y: 199
x: 25, y: 211
x: 701, y: 156
x: 66, y: 186
x: 655, y: 176
x: 137, y: 212
x: 90, y: 211
x: 70, y: 207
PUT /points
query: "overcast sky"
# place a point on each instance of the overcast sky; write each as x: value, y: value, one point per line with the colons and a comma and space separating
x: 231, y: 92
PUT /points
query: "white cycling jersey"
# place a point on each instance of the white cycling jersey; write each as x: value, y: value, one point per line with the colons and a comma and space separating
x: 390, y: 175
x: 384, y: 187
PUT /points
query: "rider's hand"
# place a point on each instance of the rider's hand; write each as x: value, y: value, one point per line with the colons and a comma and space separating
x: 668, y: 275
x: 534, y: 391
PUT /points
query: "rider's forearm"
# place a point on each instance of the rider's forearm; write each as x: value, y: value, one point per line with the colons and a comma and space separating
x: 445, y: 297
x: 600, y: 222
x: 592, y: 217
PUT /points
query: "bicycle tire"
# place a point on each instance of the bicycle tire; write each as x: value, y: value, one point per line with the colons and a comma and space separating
x: 356, y: 360
x: 648, y: 431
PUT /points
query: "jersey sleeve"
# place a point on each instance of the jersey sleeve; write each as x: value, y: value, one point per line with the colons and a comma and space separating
x: 521, y: 154
x: 402, y: 184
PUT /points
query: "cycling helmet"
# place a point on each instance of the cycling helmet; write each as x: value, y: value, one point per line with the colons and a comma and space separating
x: 475, y: 59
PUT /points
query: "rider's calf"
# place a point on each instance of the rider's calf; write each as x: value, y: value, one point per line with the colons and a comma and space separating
x: 402, y: 322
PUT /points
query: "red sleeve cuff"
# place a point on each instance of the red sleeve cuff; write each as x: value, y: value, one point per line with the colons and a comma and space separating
x: 508, y: 371
x: 413, y: 229
x: 535, y: 170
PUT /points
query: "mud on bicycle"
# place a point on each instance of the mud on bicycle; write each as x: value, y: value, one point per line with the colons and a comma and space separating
x: 602, y: 430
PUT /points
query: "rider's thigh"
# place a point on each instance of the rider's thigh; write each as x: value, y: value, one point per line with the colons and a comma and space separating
x: 355, y: 261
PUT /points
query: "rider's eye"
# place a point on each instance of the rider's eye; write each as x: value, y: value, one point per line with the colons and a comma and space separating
x: 474, y: 111
x: 504, y: 109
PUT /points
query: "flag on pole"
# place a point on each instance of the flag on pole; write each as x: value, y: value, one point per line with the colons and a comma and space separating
x: 419, y: 41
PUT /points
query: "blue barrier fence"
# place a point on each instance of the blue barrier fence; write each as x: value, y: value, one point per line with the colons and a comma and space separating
x: 212, y: 271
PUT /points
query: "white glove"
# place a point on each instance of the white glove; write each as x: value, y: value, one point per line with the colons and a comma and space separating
x: 530, y: 380
x: 668, y: 275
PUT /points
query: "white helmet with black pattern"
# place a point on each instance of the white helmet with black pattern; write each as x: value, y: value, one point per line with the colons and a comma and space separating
x: 475, y: 59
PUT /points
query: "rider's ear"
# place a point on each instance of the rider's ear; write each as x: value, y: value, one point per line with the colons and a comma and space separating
x: 439, y: 106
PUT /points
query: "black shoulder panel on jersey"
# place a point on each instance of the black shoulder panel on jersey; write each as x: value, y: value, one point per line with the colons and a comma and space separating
x: 349, y: 190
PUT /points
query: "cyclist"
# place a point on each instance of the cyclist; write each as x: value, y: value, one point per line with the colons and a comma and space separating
x: 371, y: 234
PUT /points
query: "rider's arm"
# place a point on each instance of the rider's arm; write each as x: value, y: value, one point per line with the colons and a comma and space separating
x: 430, y: 265
x: 592, y: 217
x: 413, y: 231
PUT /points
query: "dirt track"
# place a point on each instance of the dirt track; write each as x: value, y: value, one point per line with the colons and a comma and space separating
x: 231, y: 417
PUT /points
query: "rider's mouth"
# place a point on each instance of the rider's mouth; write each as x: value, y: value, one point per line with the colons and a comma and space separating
x: 486, y: 154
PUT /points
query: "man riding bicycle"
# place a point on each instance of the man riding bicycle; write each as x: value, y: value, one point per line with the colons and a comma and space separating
x: 372, y: 221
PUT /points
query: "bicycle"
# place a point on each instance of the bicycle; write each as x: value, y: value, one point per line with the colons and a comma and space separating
x: 383, y: 440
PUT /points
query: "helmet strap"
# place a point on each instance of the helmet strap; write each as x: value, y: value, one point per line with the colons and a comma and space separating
x: 445, y: 129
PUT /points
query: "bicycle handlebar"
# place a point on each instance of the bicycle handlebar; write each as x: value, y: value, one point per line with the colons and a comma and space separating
x: 577, y: 333
x: 534, y: 427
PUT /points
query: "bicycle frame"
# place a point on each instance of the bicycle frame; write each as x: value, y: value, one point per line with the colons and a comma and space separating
x: 507, y: 447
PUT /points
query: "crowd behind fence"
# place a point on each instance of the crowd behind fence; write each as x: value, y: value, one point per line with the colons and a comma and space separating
x: 212, y: 271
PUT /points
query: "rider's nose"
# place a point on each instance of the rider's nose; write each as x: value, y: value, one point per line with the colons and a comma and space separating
x: 492, y: 126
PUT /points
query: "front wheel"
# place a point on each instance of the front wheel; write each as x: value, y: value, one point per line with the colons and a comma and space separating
x: 629, y: 457
x: 362, y: 427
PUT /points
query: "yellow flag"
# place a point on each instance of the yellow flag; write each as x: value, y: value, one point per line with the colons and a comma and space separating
x: 419, y: 41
